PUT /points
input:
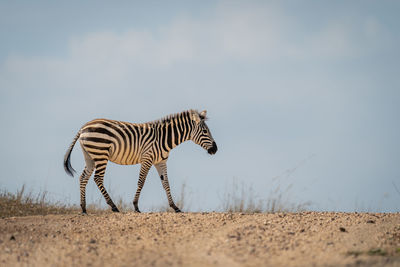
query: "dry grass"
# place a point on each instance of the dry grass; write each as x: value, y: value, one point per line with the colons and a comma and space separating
x: 24, y: 203
x: 243, y: 199
x: 237, y: 198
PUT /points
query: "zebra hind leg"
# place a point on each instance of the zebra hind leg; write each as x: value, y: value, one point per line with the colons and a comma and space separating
x: 87, y: 172
x: 98, y: 179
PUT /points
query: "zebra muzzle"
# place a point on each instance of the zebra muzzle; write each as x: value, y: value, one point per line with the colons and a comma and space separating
x: 212, y: 150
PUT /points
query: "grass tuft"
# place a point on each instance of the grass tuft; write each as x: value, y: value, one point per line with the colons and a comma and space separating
x: 377, y: 252
x: 371, y: 252
x: 354, y: 253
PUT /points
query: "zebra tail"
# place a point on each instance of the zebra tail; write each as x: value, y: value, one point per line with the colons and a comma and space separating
x: 67, y: 158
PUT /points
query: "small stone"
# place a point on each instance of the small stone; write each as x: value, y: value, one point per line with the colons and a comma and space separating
x: 12, y: 238
x: 92, y: 241
x: 342, y: 229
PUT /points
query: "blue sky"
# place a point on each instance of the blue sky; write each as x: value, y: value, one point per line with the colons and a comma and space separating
x: 301, y: 95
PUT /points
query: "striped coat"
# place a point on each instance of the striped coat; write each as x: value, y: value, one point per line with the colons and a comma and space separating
x: 125, y: 143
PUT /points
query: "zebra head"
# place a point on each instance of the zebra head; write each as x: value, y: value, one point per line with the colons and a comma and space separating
x: 201, y: 135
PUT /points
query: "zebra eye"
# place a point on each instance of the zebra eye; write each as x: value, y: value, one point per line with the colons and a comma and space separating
x: 204, y: 131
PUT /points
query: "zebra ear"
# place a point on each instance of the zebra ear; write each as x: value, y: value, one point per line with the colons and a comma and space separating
x: 196, y: 117
x: 203, y: 114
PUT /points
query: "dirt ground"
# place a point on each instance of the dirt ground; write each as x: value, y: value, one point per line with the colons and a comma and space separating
x: 202, y: 239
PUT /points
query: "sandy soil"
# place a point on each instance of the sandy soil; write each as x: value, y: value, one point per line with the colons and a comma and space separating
x: 202, y: 239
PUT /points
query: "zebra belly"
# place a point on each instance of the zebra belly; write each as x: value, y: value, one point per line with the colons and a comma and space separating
x: 119, y: 159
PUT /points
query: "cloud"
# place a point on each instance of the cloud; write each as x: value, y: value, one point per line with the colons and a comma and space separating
x: 235, y: 33
x: 154, y: 59
x: 150, y: 61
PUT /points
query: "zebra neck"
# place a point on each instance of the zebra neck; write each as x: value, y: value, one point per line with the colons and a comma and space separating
x: 175, y: 132
x: 184, y: 131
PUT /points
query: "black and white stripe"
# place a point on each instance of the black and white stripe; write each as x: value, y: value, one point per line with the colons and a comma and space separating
x: 127, y: 143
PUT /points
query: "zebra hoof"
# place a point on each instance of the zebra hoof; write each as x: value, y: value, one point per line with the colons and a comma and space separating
x: 177, y: 210
x: 115, y: 209
x: 137, y: 210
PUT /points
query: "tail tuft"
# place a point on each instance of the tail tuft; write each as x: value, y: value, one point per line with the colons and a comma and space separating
x: 67, y: 164
x: 67, y: 158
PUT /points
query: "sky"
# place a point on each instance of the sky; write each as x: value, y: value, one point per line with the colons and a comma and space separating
x: 302, y: 97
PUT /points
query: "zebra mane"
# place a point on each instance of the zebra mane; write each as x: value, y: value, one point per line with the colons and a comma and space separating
x: 170, y: 117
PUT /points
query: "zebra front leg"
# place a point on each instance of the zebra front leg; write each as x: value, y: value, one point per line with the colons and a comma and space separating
x: 98, y: 178
x: 144, y: 170
x: 162, y: 172
x: 82, y: 184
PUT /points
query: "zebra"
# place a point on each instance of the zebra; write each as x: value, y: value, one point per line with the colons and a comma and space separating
x: 125, y: 143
